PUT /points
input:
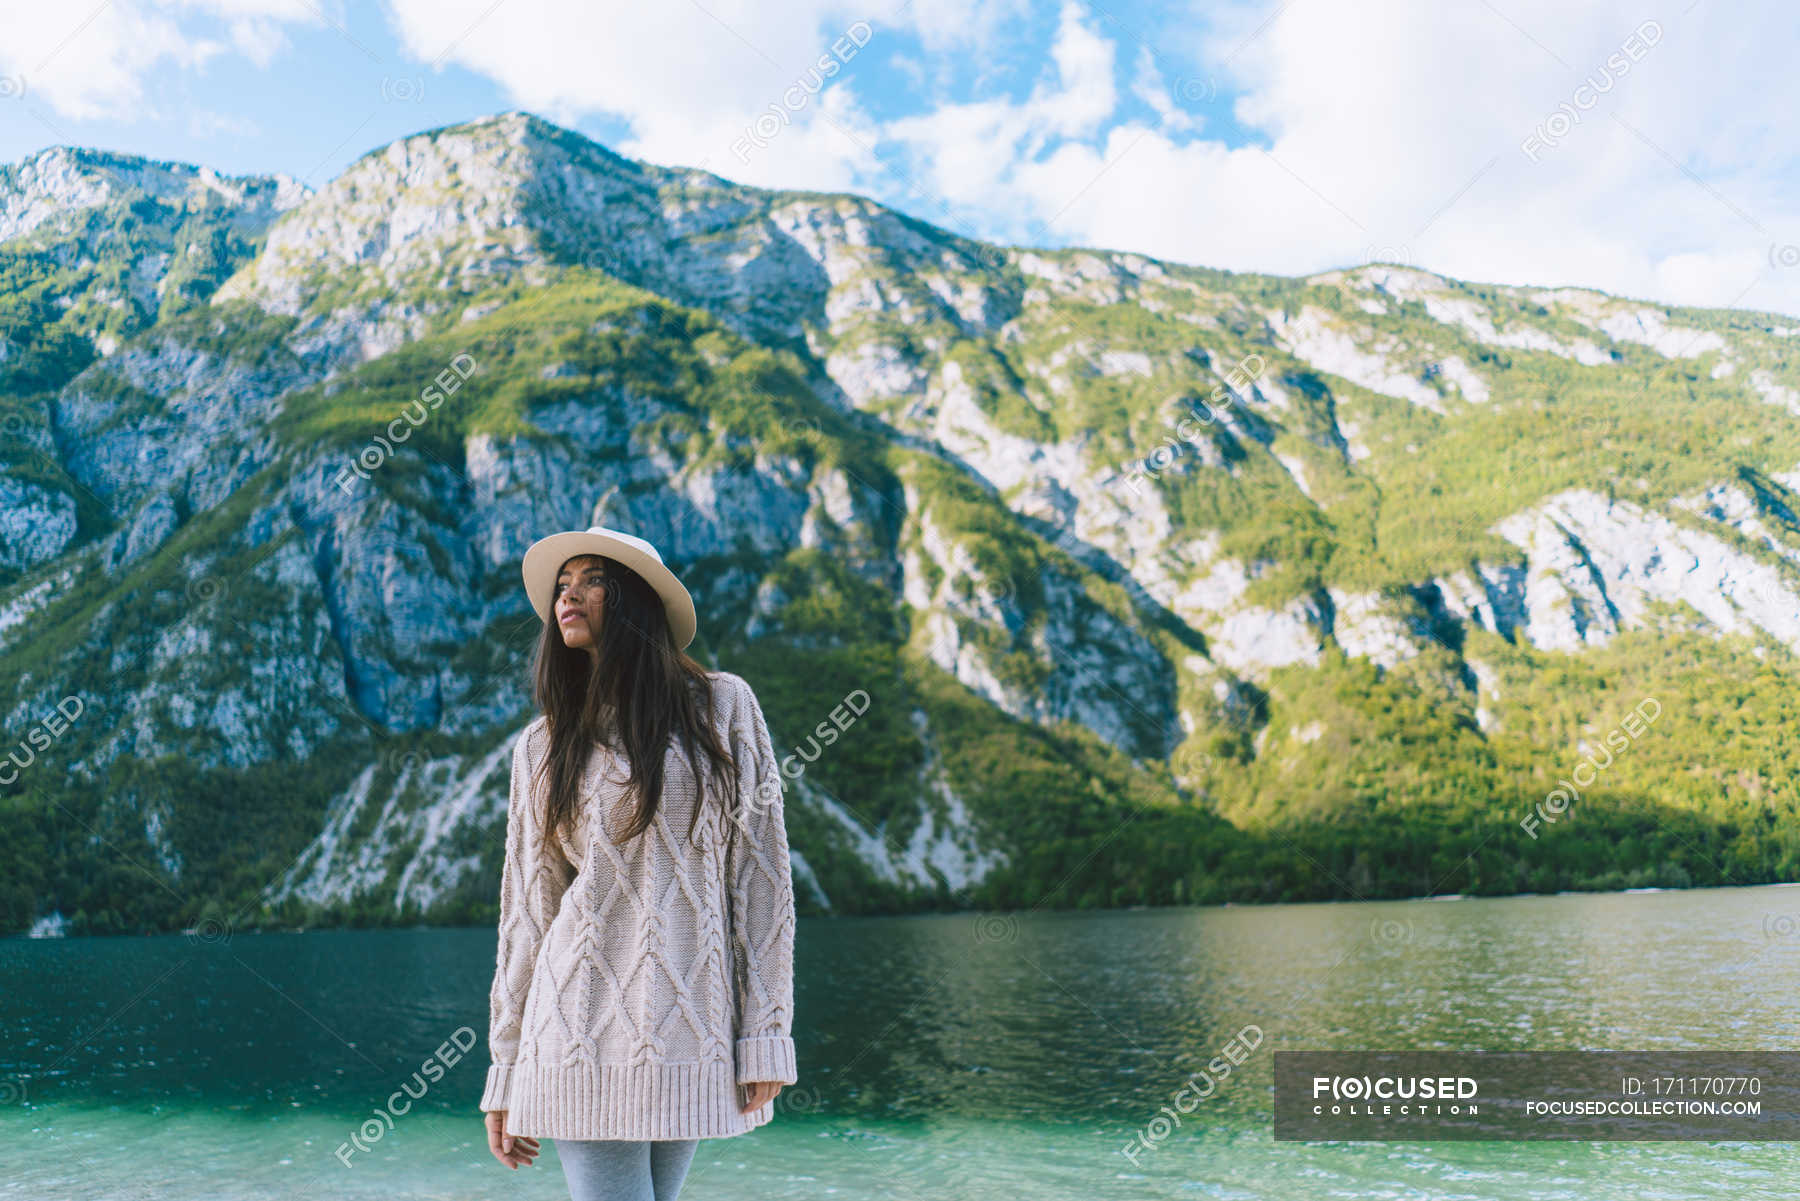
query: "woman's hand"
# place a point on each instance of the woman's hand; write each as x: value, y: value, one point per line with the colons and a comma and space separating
x: 510, y: 1149
x: 759, y: 1094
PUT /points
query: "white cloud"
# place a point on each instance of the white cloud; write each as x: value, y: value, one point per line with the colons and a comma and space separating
x: 1387, y: 129
x: 258, y: 41
x: 713, y: 72
x: 950, y: 25
x: 982, y: 156
x: 1380, y: 130
x: 1394, y: 130
x: 91, y: 63
x: 1083, y: 96
x: 1147, y: 85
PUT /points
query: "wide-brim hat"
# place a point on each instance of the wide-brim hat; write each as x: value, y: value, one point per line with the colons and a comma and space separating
x: 545, y: 557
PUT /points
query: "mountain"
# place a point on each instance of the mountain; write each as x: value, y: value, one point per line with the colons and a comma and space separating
x: 1158, y: 583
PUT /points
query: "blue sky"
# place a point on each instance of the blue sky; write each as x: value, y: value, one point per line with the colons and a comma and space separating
x: 1647, y: 151
x: 345, y: 82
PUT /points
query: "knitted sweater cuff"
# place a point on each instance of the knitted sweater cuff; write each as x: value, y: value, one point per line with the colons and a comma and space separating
x: 768, y: 1058
x: 499, y: 1080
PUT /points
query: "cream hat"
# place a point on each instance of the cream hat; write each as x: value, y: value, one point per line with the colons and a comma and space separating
x: 545, y: 557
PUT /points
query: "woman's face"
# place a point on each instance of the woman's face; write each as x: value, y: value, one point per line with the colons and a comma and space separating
x: 578, y: 600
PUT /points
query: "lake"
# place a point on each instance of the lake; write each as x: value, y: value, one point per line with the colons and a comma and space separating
x: 952, y: 1056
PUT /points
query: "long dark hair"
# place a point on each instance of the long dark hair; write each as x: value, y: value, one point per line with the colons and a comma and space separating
x: 643, y: 691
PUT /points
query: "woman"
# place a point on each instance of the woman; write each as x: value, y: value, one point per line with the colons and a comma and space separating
x: 643, y: 990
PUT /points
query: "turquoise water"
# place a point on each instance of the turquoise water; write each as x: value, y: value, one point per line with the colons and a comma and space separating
x: 940, y: 1057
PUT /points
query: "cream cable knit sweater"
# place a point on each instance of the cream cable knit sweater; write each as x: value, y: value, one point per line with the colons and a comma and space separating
x: 636, y: 987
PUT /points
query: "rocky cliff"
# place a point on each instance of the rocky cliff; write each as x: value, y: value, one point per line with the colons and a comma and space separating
x: 1099, y: 536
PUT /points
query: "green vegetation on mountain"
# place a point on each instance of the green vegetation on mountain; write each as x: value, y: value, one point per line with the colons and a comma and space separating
x: 929, y: 499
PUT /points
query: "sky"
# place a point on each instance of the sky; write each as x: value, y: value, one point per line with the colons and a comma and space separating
x: 1645, y: 149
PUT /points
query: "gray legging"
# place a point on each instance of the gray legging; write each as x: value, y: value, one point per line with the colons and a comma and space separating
x: 609, y: 1169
